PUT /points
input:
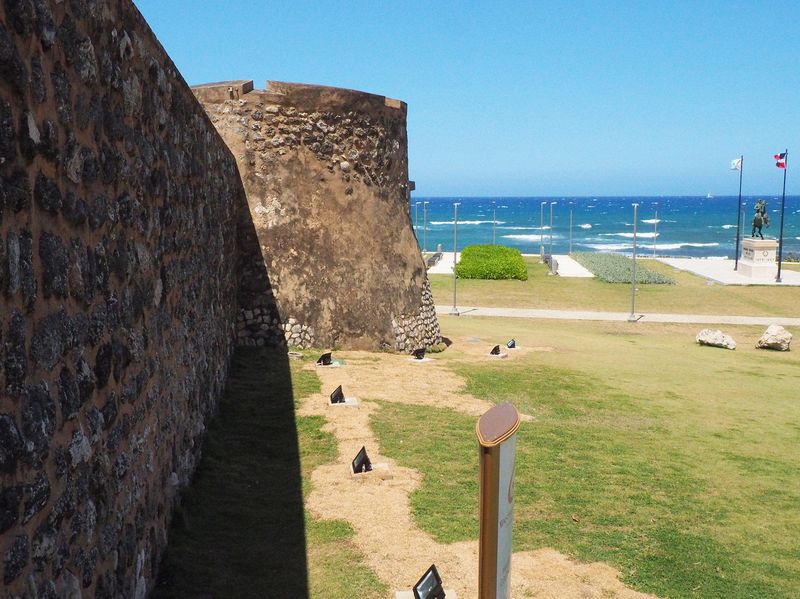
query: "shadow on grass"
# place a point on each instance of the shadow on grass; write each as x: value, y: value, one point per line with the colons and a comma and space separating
x: 240, y: 531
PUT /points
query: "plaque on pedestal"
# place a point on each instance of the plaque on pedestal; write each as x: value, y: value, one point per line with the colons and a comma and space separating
x: 758, y: 258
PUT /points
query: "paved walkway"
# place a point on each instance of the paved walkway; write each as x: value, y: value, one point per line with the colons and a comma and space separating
x: 722, y: 271
x: 568, y: 267
x: 619, y: 316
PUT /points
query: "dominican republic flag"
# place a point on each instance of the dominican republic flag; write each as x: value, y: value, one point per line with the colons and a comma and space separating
x: 736, y: 165
x: 780, y: 160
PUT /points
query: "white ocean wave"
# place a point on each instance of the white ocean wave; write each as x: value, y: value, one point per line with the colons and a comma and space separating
x: 630, y: 235
x: 531, y: 238
x: 520, y: 228
x: 677, y: 246
x: 651, y: 221
x: 585, y: 226
x: 464, y: 222
x: 609, y: 247
x: 728, y: 226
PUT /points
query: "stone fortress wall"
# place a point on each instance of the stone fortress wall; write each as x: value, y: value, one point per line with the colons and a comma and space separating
x: 326, y: 175
x: 120, y: 211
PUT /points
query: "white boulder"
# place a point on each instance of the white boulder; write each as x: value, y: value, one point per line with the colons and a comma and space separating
x: 775, y: 337
x: 715, y: 338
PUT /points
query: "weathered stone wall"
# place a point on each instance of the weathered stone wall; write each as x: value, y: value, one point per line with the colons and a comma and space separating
x: 326, y: 176
x: 119, y: 206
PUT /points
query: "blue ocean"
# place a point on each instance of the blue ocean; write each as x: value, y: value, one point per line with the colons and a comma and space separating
x: 699, y: 227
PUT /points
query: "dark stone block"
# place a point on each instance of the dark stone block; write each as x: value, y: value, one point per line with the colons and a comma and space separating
x: 85, y: 380
x: 74, y: 209
x: 38, y: 85
x: 15, y: 559
x: 27, y: 276
x: 10, y: 444
x: 47, y: 194
x: 60, y: 462
x: 16, y: 362
x: 8, y: 135
x: 69, y: 395
x: 10, y: 498
x: 94, y: 419
x: 21, y: 15
x: 16, y: 191
x: 121, y: 358
x: 97, y: 323
x: 11, y: 265
x: 27, y: 143
x: 113, y: 120
x: 62, y: 92
x: 50, y: 339
x: 55, y: 262
x: 38, y: 422
x: 12, y: 69
x: 91, y: 168
x: 102, y: 365
x: 110, y: 410
x: 49, y: 145
x: 38, y: 494
x: 45, y: 24
x: 110, y: 161
x: 43, y: 545
x: 99, y: 212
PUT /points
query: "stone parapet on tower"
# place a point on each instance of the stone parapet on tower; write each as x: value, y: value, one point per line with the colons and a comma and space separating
x: 326, y: 175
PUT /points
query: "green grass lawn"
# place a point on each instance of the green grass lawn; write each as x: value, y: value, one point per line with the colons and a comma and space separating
x: 677, y: 464
x: 241, y: 530
x: 690, y: 295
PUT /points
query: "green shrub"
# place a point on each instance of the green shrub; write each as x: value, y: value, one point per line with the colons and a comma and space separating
x: 614, y: 268
x: 491, y: 262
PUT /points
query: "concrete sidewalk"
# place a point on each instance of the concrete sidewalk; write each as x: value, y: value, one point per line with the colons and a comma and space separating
x: 618, y: 316
x: 721, y: 271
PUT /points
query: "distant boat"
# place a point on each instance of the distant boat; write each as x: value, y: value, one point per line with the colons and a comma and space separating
x: 709, y: 197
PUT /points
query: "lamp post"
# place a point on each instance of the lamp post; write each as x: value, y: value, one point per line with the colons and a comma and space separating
x: 655, y: 231
x: 416, y: 216
x: 632, y: 317
x: 424, y: 227
x: 541, y: 232
x: 550, y: 251
x: 454, y: 311
x: 494, y: 220
x: 570, y: 227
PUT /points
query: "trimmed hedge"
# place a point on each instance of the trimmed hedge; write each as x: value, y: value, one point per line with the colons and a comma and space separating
x: 491, y: 262
x: 614, y: 268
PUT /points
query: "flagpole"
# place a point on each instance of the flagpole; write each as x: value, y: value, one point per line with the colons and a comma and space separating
x: 783, y: 205
x: 739, y: 214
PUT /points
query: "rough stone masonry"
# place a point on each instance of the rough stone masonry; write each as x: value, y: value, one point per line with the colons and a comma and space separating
x: 120, y: 210
x: 326, y: 175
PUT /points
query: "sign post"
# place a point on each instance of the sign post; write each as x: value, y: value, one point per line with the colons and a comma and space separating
x: 496, y: 431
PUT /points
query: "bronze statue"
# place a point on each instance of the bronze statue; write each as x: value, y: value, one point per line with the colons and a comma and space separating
x: 760, y: 219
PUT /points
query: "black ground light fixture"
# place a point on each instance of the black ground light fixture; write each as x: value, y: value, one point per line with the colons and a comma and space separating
x: 495, y: 351
x: 361, y: 462
x: 325, y: 359
x: 337, y: 396
x: 419, y: 354
x: 430, y: 585
x: 511, y: 344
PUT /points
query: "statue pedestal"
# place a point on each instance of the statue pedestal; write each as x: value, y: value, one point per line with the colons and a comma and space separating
x: 758, y: 258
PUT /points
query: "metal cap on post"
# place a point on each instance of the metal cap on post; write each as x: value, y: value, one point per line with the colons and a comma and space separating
x: 496, y: 431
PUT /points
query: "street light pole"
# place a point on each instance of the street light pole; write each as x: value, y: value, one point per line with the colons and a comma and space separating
x: 416, y: 216
x: 570, y: 227
x: 541, y: 233
x: 494, y: 221
x: 632, y: 317
x: 655, y: 232
x: 424, y: 227
x: 550, y: 251
x: 454, y: 312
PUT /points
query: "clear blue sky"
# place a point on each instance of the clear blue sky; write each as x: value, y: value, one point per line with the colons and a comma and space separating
x: 534, y: 98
